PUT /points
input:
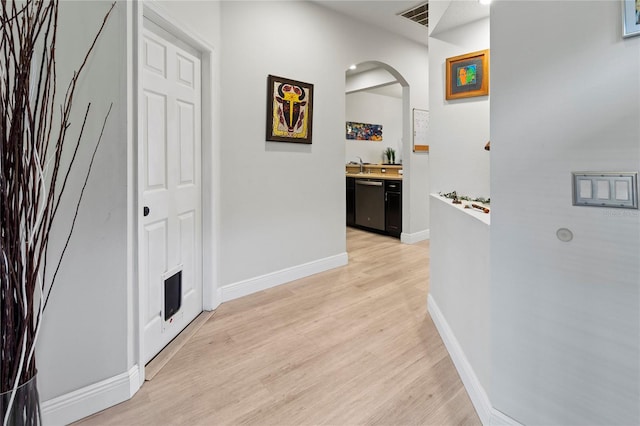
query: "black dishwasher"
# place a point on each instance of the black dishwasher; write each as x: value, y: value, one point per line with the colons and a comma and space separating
x: 370, y: 203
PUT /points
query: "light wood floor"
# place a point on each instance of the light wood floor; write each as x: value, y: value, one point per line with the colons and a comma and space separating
x: 350, y: 346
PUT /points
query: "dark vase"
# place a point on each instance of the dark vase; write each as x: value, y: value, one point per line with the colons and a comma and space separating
x: 24, y: 408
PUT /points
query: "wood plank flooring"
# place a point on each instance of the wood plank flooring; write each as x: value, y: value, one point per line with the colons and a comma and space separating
x: 350, y: 346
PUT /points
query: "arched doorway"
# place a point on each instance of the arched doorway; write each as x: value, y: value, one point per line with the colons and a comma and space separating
x: 377, y: 94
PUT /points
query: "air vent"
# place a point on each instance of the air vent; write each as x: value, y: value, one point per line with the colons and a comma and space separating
x: 419, y: 14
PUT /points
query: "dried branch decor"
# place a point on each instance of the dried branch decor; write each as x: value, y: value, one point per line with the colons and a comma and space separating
x: 33, y: 179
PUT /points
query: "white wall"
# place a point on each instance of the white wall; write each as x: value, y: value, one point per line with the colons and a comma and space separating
x: 85, y: 336
x: 201, y: 18
x: 281, y: 205
x: 367, y: 79
x: 363, y: 107
x: 459, y: 278
x: 459, y: 129
x: 87, y: 351
x: 566, y: 316
x: 284, y: 204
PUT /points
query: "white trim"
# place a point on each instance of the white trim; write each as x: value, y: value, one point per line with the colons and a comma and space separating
x: 210, y: 147
x: 210, y: 157
x: 154, y: 11
x: 476, y: 392
x: 133, y: 336
x: 136, y: 110
x: 210, y: 151
x: 479, y: 398
x: 134, y: 381
x: 263, y: 282
x: 415, y: 237
x: 83, y: 402
x: 498, y: 418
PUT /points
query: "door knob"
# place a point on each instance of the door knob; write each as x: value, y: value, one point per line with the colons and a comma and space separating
x: 145, y: 211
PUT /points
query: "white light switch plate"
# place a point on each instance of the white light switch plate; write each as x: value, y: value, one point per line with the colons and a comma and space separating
x: 605, y: 189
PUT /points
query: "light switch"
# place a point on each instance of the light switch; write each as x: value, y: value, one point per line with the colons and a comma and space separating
x: 605, y: 189
x: 585, y: 188
x: 622, y: 190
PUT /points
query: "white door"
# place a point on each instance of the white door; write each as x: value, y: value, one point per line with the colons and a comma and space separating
x: 170, y: 199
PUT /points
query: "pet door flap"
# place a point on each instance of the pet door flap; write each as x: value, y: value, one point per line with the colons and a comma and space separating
x: 172, y: 294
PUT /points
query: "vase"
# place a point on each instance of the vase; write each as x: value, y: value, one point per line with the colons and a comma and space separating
x: 25, y: 407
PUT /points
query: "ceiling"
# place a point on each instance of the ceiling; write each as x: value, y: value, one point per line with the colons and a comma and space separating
x: 383, y: 14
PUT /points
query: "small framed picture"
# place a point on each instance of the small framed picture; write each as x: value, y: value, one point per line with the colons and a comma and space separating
x: 289, y: 110
x: 630, y: 18
x: 468, y: 75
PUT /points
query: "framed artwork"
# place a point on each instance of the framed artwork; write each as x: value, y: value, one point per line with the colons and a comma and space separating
x: 468, y: 75
x: 289, y: 110
x: 364, y: 131
x: 630, y: 18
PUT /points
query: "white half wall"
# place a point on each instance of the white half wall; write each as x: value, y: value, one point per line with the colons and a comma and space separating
x: 459, y: 280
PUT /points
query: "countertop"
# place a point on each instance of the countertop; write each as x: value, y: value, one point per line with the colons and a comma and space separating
x: 365, y: 175
x: 375, y: 171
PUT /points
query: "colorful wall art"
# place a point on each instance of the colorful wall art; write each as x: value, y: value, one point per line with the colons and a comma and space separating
x: 364, y: 131
x: 468, y: 75
x: 289, y: 110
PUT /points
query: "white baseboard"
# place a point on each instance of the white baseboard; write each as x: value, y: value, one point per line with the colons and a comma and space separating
x: 83, y: 402
x: 479, y: 398
x: 498, y: 418
x: 263, y: 282
x: 414, y: 237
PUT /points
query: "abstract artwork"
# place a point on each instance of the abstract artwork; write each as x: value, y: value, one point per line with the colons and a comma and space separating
x: 468, y: 75
x: 364, y: 131
x: 289, y: 110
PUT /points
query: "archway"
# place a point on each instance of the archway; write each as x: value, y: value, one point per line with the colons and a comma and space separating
x: 376, y: 89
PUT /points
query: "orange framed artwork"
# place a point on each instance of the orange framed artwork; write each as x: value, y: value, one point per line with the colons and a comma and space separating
x: 468, y: 75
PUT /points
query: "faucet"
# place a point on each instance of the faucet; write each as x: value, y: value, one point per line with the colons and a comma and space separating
x: 361, y: 165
